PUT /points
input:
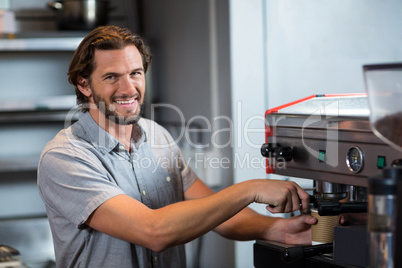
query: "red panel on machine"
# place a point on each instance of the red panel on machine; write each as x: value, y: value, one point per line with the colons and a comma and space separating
x: 268, y: 130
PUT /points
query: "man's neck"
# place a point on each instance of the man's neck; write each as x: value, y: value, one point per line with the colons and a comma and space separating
x: 122, y: 133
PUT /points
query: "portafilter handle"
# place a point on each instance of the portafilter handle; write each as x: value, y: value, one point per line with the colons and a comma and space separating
x: 333, y: 208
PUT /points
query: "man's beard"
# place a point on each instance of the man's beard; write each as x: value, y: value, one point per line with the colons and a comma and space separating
x: 110, y: 113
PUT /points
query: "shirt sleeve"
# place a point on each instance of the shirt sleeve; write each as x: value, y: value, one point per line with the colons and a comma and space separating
x: 73, y: 183
x: 187, y: 173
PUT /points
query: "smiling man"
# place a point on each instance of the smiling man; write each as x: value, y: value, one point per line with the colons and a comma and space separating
x: 105, y: 209
x: 119, y: 85
x: 117, y: 88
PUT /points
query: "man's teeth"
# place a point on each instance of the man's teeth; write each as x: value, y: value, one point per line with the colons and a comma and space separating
x: 125, y: 102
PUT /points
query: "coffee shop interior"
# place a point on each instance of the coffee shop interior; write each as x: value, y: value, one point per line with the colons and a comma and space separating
x: 217, y: 67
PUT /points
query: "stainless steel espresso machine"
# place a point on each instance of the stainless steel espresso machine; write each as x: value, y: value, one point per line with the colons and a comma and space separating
x: 350, y: 146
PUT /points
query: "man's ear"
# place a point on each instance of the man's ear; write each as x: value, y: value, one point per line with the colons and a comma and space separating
x: 83, y: 86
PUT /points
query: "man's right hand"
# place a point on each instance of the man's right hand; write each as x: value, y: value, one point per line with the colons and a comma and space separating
x: 280, y: 196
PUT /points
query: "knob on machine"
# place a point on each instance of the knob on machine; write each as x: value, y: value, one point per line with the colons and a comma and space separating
x: 280, y: 153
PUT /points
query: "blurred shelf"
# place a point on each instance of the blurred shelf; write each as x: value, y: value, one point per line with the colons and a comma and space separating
x: 45, y: 110
x: 45, y: 116
x: 19, y: 163
x: 41, y: 41
x: 57, y: 102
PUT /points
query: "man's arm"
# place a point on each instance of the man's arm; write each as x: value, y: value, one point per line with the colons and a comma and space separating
x: 128, y: 219
x: 250, y: 225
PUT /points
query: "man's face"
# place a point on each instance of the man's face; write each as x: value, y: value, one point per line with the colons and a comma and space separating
x: 117, y: 85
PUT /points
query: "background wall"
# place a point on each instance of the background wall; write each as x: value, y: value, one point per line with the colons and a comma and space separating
x: 320, y: 46
x: 190, y: 73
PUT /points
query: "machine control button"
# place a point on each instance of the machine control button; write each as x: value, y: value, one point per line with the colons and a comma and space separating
x: 397, y: 163
x: 268, y: 149
x: 284, y: 154
x: 381, y: 162
x: 355, y: 159
x: 281, y: 153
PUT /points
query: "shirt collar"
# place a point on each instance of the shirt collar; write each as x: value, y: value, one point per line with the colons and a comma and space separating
x: 100, y: 138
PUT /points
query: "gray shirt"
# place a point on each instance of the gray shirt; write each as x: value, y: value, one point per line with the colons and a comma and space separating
x: 84, y: 166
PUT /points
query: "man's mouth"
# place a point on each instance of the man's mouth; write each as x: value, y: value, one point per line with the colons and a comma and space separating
x: 127, y: 102
x: 122, y: 102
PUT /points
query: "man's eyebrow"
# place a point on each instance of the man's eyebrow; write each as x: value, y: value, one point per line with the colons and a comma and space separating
x: 138, y: 69
x: 110, y: 74
x: 117, y: 74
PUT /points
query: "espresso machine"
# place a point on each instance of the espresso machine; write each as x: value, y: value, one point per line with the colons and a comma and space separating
x: 354, y: 158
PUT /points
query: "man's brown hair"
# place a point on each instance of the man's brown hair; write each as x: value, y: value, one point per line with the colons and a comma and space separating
x: 102, y: 38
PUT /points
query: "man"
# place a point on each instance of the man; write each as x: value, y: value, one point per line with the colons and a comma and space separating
x: 106, y: 209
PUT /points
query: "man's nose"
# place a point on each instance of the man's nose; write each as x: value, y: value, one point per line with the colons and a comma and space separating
x: 128, y: 85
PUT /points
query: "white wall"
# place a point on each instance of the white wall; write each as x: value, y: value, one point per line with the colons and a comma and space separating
x: 248, y: 98
x: 317, y: 47
x: 284, y: 50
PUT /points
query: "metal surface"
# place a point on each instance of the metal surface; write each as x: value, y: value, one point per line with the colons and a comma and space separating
x: 331, y: 190
x: 382, y: 217
x: 332, y: 142
x: 269, y: 254
x: 328, y: 127
x: 381, y: 250
x: 80, y: 14
x: 349, y: 106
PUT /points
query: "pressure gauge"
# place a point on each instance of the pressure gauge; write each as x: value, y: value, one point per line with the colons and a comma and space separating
x: 355, y: 159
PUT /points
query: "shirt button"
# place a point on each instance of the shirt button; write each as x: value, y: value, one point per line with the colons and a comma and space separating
x: 168, y: 179
x: 155, y: 259
x: 144, y: 192
x: 122, y: 147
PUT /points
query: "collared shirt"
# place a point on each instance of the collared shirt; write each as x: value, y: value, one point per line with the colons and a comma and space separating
x: 84, y: 166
